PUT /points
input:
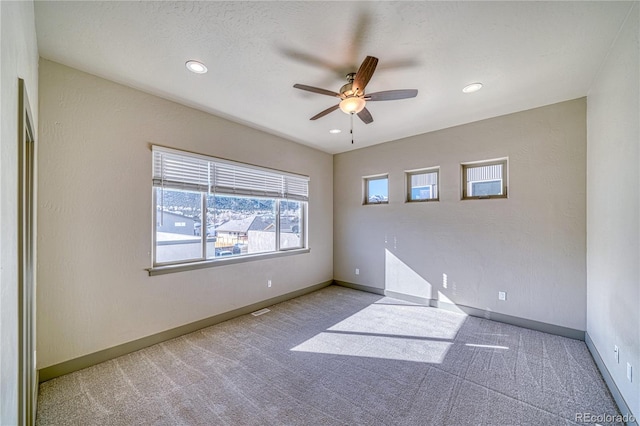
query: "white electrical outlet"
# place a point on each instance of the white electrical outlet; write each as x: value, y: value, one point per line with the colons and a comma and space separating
x: 629, y: 375
x: 616, y: 353
x: 502, y: 295
x: 357, y: 271
x: 268, y: 283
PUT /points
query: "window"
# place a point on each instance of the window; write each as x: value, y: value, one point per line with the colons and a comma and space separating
x: 207, y: 209
x: 487, y: 179
x: 422, y: 185
x: 376, y: 190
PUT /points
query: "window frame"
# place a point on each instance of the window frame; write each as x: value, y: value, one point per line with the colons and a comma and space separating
x: 159, y: 268
x: 302, y: 228
x: 410, y: 173
x: 365, y: 182
x: 504, y: 162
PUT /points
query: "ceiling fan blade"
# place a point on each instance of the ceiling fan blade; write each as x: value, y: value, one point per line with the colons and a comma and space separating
x: 392, y: 95
x: 316, y: 90
x: 325, y: 112
x: 365, y: 116
x: 364, y: 74
x: 310, y: 59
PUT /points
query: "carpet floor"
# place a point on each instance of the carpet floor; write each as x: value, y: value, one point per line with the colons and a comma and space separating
x: 339, y: 357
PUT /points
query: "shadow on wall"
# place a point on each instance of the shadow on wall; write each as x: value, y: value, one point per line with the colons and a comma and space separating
x: 402, y: 280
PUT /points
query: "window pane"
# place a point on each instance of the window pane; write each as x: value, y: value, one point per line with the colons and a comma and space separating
x: 423, y: 186
x: 177, y: 225
x: 240, y: 225
x: 492, y: 187
x: 377, y: 190
x: 290, y: 224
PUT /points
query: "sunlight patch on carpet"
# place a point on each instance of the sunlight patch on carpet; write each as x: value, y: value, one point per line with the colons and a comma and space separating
x: 372, y: 346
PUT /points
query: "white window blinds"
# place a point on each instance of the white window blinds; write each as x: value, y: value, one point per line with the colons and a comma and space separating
x: 180, y: 171
x: 424, y: 179
x: 186, y: 171
x: 481, y: 173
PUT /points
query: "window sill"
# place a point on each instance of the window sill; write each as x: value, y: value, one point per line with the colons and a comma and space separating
x: 428, y: 200
x: 485, y: 197
x: 181, y: 267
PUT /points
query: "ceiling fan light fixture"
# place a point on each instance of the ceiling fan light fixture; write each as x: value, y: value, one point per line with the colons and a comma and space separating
x: 473, y: 87
x: 352, y: 105
x: 196, y: 67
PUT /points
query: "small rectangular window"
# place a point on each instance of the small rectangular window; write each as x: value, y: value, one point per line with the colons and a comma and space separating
x: 422, y: 185
x: 376, y: 190
x: 487, y: 179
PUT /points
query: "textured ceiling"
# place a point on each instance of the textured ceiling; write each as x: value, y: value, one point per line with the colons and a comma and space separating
x: 527, y: 54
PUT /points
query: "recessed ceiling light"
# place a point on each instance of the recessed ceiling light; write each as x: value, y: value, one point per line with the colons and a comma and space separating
x: 334, y: 131
x: 196, y: 67
x: 473, y: 87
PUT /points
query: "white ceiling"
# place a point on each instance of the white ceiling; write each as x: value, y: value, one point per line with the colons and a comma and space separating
x: 527, y: 54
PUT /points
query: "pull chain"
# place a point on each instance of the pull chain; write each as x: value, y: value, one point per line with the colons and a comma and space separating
x: 351, y: 128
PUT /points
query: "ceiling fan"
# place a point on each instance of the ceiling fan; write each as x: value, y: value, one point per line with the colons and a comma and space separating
x: 352, y: 95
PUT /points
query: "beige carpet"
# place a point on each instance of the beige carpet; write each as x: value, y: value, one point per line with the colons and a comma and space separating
x: 339, y: 357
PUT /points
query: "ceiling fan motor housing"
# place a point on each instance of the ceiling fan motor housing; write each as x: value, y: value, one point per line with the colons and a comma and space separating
x: 346, y: 90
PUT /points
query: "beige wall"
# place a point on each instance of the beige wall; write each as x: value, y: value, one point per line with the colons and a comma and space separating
x: 613, y: 211
x: 95, y: 221
x: 18, y: 59
x: 531, y: 245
